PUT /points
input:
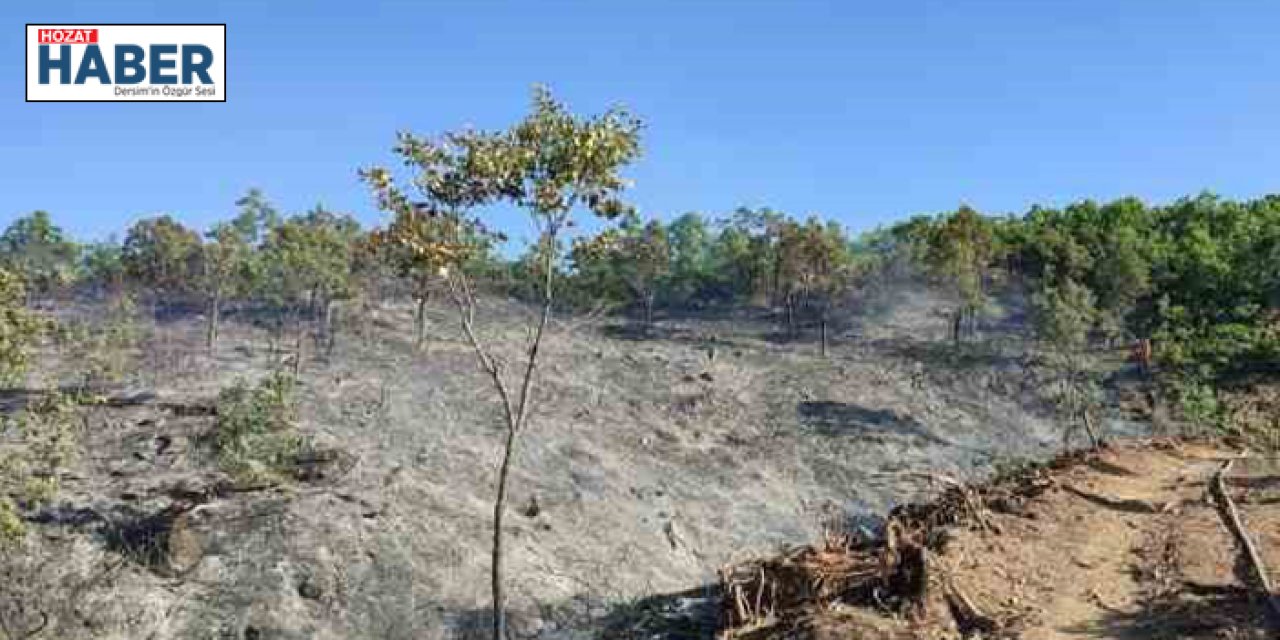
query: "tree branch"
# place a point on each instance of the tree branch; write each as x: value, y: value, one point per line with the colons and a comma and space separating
x: 464, y: 299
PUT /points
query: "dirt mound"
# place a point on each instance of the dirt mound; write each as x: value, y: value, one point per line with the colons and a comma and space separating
x: 1130, y: 542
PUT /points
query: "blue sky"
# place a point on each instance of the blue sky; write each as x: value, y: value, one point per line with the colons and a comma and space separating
x: 861, y: 111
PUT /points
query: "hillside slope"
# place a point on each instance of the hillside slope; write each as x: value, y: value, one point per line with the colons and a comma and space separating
x: 652, y: 461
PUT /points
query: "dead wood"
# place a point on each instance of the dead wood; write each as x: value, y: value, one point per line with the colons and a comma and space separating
x: 1231, y: 518
x: 970, y: 620
x: 1120, y: 504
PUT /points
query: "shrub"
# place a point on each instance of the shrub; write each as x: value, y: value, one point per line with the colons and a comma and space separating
x: 256, y: 439
x: 46, y: 440
x: 18, y: 328
x: 1199, y: 405
x: 12, y: 528
x: 102, y: 350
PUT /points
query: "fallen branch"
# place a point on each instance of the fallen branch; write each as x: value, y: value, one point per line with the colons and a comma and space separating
x: 1120, y: 504
x: 970, y: 620
x: 1231, y: 517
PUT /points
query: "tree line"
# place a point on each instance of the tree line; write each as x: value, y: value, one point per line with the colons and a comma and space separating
x: 1199, y: 277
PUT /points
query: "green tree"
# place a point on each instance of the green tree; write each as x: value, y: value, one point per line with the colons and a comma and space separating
x: 102, y: 266
x: 163, y: 256
x: 227, y: 271
x: 634, y: 259
x: 552, y: 163
x: 830, y: 271
x: 427, y: 270
x: 1121, y: 277
x: 256, y: 215
x: 1062, y: 316
x: 813, y: 270
x: 308, y: 262
x: 691, y: 268
x: 959, y: 251
x: 40, y: 252
x: 746, y: 251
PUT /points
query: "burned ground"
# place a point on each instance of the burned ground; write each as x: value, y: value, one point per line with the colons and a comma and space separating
x: 653, y: 460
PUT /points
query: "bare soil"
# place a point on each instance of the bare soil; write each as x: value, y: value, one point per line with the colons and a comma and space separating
x: 1122, y: 544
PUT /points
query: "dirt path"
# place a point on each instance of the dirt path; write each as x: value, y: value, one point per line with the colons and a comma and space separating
x: 1107, y: 554
x: 1125, y: 545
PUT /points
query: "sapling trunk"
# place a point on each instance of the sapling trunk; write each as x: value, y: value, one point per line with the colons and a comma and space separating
x: 791, y: 316
x: 328, y: 332
x: 823, y: 330
x: 211, y: 335
x: 420, y: 323
x: 499, y: 508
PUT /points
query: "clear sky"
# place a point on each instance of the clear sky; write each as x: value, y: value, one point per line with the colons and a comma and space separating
x: 861, y: 111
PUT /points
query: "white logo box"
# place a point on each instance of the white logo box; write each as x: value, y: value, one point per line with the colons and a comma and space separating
x: 126, y: 62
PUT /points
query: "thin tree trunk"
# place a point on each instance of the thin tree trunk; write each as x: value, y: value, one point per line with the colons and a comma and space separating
x: 791, y: 316
x: 331, y: 327
x: 329, y: 334
x: 299, y: 345
x: 823, y: 329
x: 516, y: 420
x: 648, y: 310
x: 499, y: 509
x: 420, y: 323
x: 211, y: 335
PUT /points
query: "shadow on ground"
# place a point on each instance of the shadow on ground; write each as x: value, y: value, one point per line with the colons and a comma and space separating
x: 685, y: 615
x: 1201, y: 611
x: 966, y: 356
x: 638, y: 332
x: 839, y: 419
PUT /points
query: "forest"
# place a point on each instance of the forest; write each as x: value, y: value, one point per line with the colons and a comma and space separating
x: 1199, y: 277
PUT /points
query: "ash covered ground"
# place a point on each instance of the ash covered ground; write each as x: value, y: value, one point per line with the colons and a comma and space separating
x: 654, y: 458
